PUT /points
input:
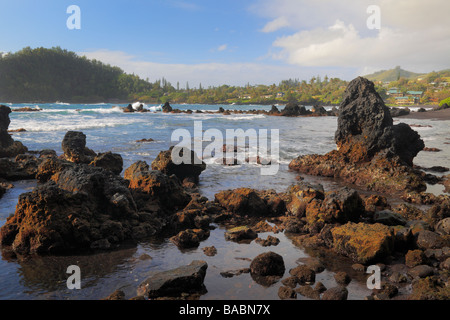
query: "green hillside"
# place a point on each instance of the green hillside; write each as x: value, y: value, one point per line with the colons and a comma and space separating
x: 59, y: 75
x: 392, y: 75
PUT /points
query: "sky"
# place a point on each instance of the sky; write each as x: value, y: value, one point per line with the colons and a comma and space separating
x: 236, y: 42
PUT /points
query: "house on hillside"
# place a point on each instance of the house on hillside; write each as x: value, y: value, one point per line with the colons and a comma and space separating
x: 415, y: 95
x: 280, y: 94
x: 394, y: 92
x: 404, y: 100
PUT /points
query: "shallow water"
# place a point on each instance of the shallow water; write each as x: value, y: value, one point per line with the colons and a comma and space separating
x: 109, y: 129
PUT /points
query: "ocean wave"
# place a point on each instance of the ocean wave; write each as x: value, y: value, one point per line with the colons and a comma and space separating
x: 55, y: 123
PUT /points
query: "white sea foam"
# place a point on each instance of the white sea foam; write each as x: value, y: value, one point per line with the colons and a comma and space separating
x: 66, y: 123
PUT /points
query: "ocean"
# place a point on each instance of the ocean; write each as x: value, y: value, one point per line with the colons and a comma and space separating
x: 108, y: 128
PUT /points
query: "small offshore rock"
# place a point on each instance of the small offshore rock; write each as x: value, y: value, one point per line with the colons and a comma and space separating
x: 342, y: 278
x: 287, y: 293
x: 336, y: 293
x: 268, y: 264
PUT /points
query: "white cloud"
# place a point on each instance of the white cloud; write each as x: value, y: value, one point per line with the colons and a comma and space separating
x: 207, y: 74
x: 414, y: 34
x: 222, y: 47
x: 276, y: 24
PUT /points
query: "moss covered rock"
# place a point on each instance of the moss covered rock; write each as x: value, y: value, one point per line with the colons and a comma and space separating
x: 364, y: 243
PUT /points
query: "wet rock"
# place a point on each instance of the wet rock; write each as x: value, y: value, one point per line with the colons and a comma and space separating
x: 290, y: 282
x: 189, y: 238
x: 18, y: 169
x: 375, y: 203
x: 145, y: 140
x: 430, y: 288
x: 431, y: 149
x: 358, y: 267
x: 50, y: 166
x: 47, y: 153
x: 242, y: 201
x: 82, y: 207
x: 116, y: 295
x: 343, y: 205
x: 287, y: 293
x: 414, y: 258
x: 294, y: 110
x: 270, y: 241
x: 362, y: 242
x: 443, y: 227
x: 268, y: 264
x: 303, y: 274
x: 308, y: 292
x: 389, y: 218
x: 438, y: 211
x: 319, y: 110
x: 275, y: 203
x: 8, y: 147
x: 445, y: 265
x: 342, y: 278
x: 398, y: 112
x: 335, y: 293
x: 109, y: 161
x: 210, y: 251
x: 421, y: 271
x: 429, y: 240
x: 397, y: 277
x: 264, y: 226
x: 409, y: 212
x: 387, y: 291
x: 301, y: 195
x: 371, y: 151
x: 233, y: 273
x: 190, y: 167
x: 314, y: 264
x: 274, y: 110
x: 167, y: 108
x: 74, y: 147
x: 240, y: 233
x: 154, y: 185
x: 320, y: 287
x: 190, y: 219
x: 404, y: 238
x: 175, y: 282
x: 293, y: 225
x: 128, y: 109
x: 365, y: 126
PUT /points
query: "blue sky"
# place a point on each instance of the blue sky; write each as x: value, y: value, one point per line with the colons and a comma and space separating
x: 235, y: 42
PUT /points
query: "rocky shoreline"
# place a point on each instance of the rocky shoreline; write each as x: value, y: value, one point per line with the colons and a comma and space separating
x: 83, y: 204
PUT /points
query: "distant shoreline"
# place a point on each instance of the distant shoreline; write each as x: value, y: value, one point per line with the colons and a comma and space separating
x: 429, y: 115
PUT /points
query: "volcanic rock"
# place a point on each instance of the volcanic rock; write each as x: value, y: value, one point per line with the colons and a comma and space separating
x: 109, y: 161
x: 8, y: 147
x: 364, y: 243
x: 173, y: 283
x: 268, y: 264
x: 371, y: 151
x: 190, y: 168
x: 74, y: 147
x: 155, y: 185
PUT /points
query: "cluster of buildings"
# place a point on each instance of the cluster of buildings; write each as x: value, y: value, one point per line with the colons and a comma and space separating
x: 410, y: 97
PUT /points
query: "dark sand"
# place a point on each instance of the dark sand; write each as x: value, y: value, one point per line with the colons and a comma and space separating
x: 438, y: 115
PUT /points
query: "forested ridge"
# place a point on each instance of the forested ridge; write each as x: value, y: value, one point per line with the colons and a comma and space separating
x: 50, y: 75
x: 56, y: 74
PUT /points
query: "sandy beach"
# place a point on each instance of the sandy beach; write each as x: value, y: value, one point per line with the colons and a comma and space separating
x: 439, y: 115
